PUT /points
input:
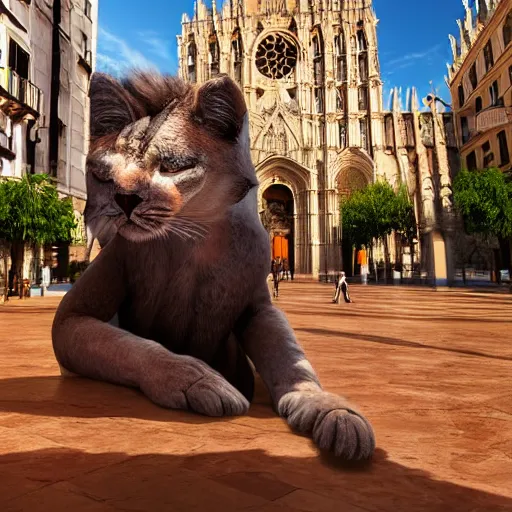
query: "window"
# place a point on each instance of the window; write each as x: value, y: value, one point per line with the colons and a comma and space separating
x: 507, y: 29
x: 318, y: 71
x: 409, y: 129
x: 363, y: 67
x: 478, y: 104
x: 191, y: 59
x: 85, y: 49
x: 461, y: 95
x: 362, y: 44
x: 464, y: 128
x: 471, y: 161
x: 472, y: 76
x: 19, y: 59
x: 488, y: 56
x: 389, y: 132
x: 363, y: 129
x: 494, y: 93
x: 88, y: 8
x: 237, y: 54
x: 319, y: 100
x: 363, y: 98
x: 488, y: 154
x: 341, y: 58
x: 340, y: 99
x: 343, y: 134
x: 504, y: 154
x: 213, y: 55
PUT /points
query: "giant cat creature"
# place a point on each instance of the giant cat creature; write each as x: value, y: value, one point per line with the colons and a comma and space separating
x: 172, y: 199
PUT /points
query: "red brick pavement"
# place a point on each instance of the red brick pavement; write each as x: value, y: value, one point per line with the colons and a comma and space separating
x: 432, y: 370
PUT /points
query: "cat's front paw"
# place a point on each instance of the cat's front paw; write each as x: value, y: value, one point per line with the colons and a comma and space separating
x: 184, y: 382
x: 215, y: 396
x: 332, y: 422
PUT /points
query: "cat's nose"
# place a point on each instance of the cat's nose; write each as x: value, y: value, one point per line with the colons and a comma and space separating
x: 127, y: 202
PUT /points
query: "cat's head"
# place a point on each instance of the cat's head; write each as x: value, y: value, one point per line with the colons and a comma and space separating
x: 165, y: 157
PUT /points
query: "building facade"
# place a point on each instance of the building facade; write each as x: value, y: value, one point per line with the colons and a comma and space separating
x: 47, y: 55
x: 319, y: 130
x: 480, y: 80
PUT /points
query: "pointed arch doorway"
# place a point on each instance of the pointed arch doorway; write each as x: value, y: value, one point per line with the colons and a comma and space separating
x: 279, y: 221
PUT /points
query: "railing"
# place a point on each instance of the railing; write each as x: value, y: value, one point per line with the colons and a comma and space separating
x: 21, y: 89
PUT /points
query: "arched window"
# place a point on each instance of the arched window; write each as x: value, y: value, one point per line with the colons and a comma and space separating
x: 191, y: 59
x: 507, y: 29
x: 237, y: 52
x: 363, y: 66
x: 341, y: 57
x: 318, y: 70
x: 362, y: 43
x: 213, y: 55
x: 363, y: 97
x: 340, y: 99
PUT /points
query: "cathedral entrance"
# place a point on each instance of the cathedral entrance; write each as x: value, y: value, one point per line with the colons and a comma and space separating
x: 278, y: 219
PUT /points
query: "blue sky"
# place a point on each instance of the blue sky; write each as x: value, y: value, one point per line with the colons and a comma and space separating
x: 413, y: 38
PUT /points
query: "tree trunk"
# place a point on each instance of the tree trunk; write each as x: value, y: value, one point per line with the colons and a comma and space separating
x: 505, y: 256
x: 5, y: 258
x: 20, y: 269
x: 386, y: 257
x: 412, y: 260
x: 374, y: 263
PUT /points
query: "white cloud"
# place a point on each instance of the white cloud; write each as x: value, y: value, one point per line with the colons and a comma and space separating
x: 156, y: 45
x: 410, y: 59
x: 116, y: 56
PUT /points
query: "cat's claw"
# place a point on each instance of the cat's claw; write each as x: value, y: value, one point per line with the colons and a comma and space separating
x: 332, y: 422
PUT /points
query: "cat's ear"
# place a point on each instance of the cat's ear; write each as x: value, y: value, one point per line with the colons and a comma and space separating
x: 220, y: 107
x: 112, y: 106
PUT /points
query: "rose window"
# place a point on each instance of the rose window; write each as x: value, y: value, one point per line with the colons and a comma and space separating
x: 276, y: 56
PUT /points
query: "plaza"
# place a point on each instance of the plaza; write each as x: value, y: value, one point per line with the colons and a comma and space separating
x: 430, y: 369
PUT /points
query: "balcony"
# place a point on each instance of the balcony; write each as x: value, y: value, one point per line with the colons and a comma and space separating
x: 19, y: 97
x: 493, y: 117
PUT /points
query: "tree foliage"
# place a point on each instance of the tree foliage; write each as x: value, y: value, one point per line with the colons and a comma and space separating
x: 31, y: 211
x: 377, y: 211
x: 484, y: 198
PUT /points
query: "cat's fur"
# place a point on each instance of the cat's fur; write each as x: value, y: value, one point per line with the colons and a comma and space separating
x: 187, y: 274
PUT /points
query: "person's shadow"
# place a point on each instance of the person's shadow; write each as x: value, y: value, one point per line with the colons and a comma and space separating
x: 63, y: 478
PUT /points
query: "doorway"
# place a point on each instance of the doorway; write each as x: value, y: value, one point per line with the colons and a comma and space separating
x: 279, y: 221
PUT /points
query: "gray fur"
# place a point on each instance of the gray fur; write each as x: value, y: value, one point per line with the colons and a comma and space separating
x: 191, y: 309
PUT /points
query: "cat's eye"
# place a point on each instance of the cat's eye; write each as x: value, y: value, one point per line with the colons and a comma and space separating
x: 176, y: 165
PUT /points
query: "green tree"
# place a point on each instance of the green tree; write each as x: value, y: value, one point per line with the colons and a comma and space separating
x: 484, y: 199
x: 32, y: 213
x: 374, y: 213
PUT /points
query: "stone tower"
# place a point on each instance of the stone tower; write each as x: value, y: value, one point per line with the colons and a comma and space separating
x: 310, y: 73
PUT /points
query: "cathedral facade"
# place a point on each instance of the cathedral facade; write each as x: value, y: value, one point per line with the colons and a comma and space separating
x: 310, y: 73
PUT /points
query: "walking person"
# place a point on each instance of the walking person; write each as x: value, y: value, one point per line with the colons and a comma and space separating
x: 286, y: 269
x: 275, y: 277
x: 342, y: 288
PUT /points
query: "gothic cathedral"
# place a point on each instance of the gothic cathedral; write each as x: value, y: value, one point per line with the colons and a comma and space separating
x: 310, y: 73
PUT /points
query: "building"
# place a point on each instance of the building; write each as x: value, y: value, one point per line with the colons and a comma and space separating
x: 480, y: 80
x: 481, y: 85
x: 310, y: 73
x: 47, y: 55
